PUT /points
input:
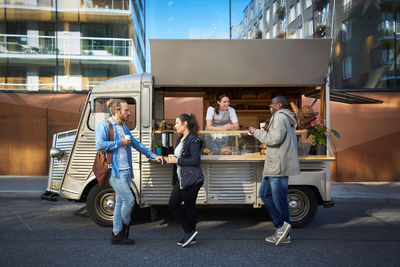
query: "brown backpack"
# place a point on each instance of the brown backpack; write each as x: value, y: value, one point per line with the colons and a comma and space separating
x: 101, y: 166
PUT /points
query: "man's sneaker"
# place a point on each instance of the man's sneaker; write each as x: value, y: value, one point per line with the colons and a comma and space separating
x: 272, y: 239
x: 282, y: 232
x: 191, y: 242
x: 121, y: 239
x: 189, y: 237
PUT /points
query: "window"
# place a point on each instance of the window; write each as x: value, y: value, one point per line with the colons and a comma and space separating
x: 274, y: 7
x: 101, y: 112
x: 346, y: 68
x: 267, y: 15
x: 292, y: 13
x: 308, y: 28
x: 308, y: 3
x: 346, y: 30
x: 347, y: 4
x: 298, y: 9
x: 274, y: 30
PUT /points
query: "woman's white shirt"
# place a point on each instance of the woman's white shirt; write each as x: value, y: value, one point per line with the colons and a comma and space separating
x: 232, y: 114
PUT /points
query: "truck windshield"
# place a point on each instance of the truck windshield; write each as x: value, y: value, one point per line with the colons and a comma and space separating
x: 101, y: 112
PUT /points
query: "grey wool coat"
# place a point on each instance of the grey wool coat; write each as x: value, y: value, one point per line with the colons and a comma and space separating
x: 281, y: 158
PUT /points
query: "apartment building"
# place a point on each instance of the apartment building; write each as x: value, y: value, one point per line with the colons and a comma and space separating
x: 69, y: 45
x: 365, y: 62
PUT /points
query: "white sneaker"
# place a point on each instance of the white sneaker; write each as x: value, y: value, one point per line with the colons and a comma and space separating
x: 272, y: 239
x: 282, y: 232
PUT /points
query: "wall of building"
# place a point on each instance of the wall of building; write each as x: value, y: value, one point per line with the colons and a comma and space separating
x: 29, y: 121
x: 370, y: 146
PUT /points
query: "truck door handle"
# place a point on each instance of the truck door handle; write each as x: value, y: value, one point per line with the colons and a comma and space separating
x: 82, y: 135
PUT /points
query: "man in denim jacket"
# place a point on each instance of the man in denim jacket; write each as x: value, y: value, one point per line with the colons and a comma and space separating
x: 121, y: 173
x: 281, y: 161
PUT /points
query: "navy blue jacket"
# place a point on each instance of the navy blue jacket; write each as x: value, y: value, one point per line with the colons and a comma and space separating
x: 189, y: 162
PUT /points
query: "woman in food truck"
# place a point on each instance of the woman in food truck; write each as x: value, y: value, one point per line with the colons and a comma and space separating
x: 217, y: 119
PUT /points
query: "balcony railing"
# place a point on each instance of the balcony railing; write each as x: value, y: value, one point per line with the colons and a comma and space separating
x: 82, y: 4
x: 67, y: 46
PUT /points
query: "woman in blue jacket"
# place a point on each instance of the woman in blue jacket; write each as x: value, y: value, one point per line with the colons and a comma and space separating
x: 187, y: 176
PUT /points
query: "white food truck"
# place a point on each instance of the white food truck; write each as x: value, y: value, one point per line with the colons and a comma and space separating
x: 252, y: 72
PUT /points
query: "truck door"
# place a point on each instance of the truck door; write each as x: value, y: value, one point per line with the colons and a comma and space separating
x: 79, y: 168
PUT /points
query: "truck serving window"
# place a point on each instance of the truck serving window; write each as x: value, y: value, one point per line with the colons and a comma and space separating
x: 101, y: 112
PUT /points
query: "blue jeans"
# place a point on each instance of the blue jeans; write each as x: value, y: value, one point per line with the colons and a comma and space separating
x: 273, y: 192
x: 124, y: 199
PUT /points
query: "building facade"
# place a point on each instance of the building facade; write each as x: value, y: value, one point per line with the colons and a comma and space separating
x: 69, y: 45
x: 364, y: 62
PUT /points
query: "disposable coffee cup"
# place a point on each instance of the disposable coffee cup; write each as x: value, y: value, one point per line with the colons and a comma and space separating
x: 262, y: 125
x: 127, y: 137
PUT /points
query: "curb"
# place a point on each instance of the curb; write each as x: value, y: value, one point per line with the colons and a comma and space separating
x: 367, y: 199
x: 21, y: 193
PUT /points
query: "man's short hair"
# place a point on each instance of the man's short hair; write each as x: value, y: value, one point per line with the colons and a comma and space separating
x: 280, y: 99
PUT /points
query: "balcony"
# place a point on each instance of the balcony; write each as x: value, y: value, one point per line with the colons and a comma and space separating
x: 68, y: 10
x: 68, y: 4
x: 13, y: 45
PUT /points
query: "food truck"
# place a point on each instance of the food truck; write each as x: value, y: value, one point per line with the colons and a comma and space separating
x: 252, y: 72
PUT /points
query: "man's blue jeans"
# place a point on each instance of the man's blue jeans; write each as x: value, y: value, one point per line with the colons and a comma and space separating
x: 273, y: 192
x: 124, y: 199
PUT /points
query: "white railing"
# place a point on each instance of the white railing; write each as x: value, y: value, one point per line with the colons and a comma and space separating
x: 28, y: 87
x: 46, y: 45
x: 78, y: 4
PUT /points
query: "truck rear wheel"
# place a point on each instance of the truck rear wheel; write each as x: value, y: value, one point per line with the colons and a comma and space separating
x: 303, y: 205
x: 100, y: 204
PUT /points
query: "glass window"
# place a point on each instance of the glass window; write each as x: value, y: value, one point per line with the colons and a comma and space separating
x: 298, y: 9
x: 274, y: 7
x: 292, y: 13
x: 346, y: 68
x: 101, y: 112
x: 267, y: 15
x: 308, y: 3
x: 346, y: 30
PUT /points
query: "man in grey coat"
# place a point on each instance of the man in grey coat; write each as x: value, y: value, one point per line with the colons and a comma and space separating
x: 281, y: 161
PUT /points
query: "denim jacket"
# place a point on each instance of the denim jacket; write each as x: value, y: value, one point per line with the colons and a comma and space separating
x: 191, y: 172
x: 102, y: 143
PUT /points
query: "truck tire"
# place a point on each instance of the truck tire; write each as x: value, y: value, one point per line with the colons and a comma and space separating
x: 303, y: 205
x: 100, y: 204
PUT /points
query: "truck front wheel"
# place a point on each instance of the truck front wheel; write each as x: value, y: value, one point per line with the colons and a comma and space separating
x: 302, y: 205
x: 100, y: 205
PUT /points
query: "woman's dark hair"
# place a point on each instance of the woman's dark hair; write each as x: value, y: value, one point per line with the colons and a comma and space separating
x: 218, y: 97
x: 191, y: 120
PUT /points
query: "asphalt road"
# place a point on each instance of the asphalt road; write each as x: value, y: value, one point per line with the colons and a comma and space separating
x: 38, y: 233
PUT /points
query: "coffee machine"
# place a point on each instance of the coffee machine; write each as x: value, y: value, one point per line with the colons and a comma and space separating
x: 166, y: 142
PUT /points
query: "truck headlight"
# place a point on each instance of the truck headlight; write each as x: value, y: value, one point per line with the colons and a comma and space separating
x: 56, y: 153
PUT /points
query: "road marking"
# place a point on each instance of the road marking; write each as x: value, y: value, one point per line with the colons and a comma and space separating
x: 22, y: 221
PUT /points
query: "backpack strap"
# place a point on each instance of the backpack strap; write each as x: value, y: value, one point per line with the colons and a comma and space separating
x: 110, y: 138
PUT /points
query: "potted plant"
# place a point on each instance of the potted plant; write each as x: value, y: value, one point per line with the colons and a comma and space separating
x: 158, y: 148
x: 319, y: 133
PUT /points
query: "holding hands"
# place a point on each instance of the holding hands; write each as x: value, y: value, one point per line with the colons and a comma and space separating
x: 172, y: 159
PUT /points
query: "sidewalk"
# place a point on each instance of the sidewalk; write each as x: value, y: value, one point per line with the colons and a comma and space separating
x: 371, y: 192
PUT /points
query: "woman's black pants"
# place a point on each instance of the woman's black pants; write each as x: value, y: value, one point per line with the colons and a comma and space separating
x: 186, y: 215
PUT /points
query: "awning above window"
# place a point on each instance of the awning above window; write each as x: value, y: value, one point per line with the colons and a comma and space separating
x: 343, y: 97
x: 230, y: 63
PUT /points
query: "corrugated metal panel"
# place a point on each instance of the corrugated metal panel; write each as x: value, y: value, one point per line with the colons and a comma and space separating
x: 157, y: 184
x: 231, y: 183
x: 313, y: 165
x: 63, y: 141
x: 135, y: 154
x: 84, y: 154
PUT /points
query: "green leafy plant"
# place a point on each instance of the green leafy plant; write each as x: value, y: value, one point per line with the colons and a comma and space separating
x: 320, y: 132
x: 158, y: 144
